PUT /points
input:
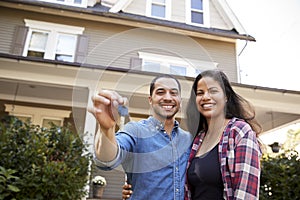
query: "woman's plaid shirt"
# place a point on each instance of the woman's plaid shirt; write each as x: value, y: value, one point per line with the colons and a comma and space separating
x: 239, y: 156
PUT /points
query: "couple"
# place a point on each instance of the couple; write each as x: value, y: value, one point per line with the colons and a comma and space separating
x: 157, y: 155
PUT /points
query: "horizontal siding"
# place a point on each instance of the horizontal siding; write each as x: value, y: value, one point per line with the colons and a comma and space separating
x: 178, y: 11
x: 114, y: 45
x: 137, y: 7
x: 224, y: 54
x: 216, y: 18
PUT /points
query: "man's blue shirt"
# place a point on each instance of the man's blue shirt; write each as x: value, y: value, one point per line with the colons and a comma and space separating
x: 154, y: 161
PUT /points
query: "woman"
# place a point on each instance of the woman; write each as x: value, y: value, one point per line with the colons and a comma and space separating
x: 224, y: 161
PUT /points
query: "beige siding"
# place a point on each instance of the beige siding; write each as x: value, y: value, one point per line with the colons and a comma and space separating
x: 114, y: 45
x: 224, y: 54
x: 178, y: 11
x: 217, y: 20
x: 137, y: 7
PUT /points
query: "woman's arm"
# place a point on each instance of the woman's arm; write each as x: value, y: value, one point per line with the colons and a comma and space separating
x: 247, y: 169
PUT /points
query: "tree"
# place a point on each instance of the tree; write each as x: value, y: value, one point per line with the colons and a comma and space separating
x: 46, y: 163
x: 280, y: 176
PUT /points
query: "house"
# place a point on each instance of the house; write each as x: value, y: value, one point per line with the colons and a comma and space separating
x: 54, y: 54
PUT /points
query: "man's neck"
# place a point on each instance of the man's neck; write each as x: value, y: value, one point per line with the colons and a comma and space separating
x: 167, y: 122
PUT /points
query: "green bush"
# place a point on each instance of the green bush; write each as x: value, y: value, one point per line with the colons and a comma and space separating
x: 46, y: 163
x: 280, y: 177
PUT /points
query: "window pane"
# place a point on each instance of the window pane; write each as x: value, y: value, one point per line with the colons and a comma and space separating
x: 67, y: 58
x: 151, y: 67
x: 158, y: 11
x: 77, y: 1
x: 197, y: 4
x: 197, y: 17
x: 66, y: 44
x: 178, y: 70
x: 38, y: 41
x: 65, y: 47
x: 36, y: 54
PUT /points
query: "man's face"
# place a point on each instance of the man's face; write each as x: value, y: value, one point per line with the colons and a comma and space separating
x: 165, y: 100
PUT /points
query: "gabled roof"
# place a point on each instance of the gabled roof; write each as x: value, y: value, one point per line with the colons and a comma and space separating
x: 221, y: 5
x: 99, y: 11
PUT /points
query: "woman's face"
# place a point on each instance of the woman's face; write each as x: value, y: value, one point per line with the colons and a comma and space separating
x: 210, y: 98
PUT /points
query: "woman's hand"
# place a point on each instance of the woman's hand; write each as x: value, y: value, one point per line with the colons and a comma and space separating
x: 126, y: 192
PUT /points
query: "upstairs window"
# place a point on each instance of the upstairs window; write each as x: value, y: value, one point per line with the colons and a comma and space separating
x: 165, y: 64
x: 78, y: 3
x: 170, y: 64
x: 197, y: 12
x: 51, y: 41
x: 159, y: 9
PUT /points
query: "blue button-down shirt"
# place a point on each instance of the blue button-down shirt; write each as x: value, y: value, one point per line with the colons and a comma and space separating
x: 154, y: 161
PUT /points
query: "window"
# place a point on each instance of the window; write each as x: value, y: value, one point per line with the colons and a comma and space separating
x: 197, y: 12
x: 159, y: 8
x: 78, y: 3
x: 51, y: 41
x: 171, y: 65
x: 38, y: 116
x: 178, y: 69
x: 164, y: 64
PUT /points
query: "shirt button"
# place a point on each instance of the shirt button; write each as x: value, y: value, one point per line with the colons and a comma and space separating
x: 176, y: 168
x: 177, y: 190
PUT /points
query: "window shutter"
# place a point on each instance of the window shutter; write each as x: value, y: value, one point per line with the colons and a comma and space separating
x: 81, y: 49
x: 136, y: 63
x: 19, y: 40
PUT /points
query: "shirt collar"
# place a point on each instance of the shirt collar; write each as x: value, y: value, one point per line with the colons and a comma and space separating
x: 159, y: 125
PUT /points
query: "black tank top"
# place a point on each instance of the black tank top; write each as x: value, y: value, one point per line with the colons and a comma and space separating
x: 204, y: 176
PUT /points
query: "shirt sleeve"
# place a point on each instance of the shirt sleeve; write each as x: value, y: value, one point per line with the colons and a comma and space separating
x: 110, y: 164
x: 246, y: 178
x: 126, y: 143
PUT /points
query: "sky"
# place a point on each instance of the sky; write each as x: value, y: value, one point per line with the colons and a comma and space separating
x: 274, y: 59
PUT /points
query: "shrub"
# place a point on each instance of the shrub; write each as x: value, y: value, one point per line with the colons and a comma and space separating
x: 48, y: 163
x: 280, y: 177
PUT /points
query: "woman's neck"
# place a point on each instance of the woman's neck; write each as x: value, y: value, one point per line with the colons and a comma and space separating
x: 216, y: 124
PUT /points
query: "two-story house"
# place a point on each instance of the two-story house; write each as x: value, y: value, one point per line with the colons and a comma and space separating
x: 54, y: 54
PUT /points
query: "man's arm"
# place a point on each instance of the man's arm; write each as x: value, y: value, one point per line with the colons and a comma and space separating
x: 105, y: 110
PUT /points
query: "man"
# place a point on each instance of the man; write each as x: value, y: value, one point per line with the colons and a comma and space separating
x: 154, y: 151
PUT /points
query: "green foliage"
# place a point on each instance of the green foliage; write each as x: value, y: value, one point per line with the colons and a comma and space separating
x: 280, y: 177
x: 7, y: 183
x: 46, y: 163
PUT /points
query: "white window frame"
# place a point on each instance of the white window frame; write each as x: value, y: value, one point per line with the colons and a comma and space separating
x: 167, y: 5
x: 206, y: 19
x: 84, y: 3
x: 53, y: 30
x: 37, y: 115
x: 166, y: 61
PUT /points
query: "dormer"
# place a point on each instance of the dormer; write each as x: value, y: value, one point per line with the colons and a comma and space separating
x: 215, y: 14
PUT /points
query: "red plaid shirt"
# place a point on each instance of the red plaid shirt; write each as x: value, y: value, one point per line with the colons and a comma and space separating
x: 239, y: 156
